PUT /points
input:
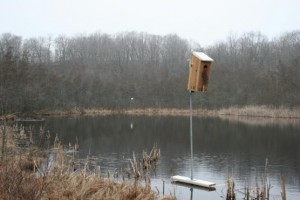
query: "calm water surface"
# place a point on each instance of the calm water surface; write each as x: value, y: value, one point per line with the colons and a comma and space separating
x: 222, y: 148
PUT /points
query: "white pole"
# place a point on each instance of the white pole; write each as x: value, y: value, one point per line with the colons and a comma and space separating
x: 191, y: 133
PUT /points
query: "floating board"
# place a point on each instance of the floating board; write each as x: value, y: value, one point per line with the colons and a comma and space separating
x: 194, y: 186
x: 187, y: 180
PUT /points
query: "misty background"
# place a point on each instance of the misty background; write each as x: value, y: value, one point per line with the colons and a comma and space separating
x: 105, y: 70
x: 61, y: 54
x: 202, y: 21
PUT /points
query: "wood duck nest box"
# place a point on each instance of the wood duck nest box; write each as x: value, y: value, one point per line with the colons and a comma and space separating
x: 200, y: 69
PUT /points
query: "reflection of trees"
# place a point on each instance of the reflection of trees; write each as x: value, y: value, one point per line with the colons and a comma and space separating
x: 218, y: 143
x: 262, y: 121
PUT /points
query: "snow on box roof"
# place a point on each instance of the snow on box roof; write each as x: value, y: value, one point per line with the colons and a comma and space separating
x: 202, y: 56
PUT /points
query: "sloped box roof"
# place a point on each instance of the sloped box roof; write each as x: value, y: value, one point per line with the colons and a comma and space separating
x: 202, y: 56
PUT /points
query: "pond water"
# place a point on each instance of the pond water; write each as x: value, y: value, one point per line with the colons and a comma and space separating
x: 222, y: 147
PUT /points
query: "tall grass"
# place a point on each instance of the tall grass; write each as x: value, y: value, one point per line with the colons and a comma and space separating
x: 282, y: 184
x: 151, y: 159
x: 251, y: 111
x: 4, y: 139
x: 230, y: 189
x: 261, y: 111
x: 22, y: 176
x: 261, y: 191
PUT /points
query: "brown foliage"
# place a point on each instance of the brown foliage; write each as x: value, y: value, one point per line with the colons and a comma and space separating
x: 21, y: 177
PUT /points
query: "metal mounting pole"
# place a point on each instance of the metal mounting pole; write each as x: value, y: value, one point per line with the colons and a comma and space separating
x: 191, y: 133
x: 202, y: 63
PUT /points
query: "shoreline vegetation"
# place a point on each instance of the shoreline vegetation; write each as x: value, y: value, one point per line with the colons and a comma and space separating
x: 50, y: 173
x: 30, y: 173
x: 246, y: 111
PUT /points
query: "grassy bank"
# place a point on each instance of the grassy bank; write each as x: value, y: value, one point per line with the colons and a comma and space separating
x: 261, y: 111
x: 251, y: 111
x: 28, y: 173
x: 102, y: 112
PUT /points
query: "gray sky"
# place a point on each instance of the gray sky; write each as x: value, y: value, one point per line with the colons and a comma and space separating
x: 205, y: 22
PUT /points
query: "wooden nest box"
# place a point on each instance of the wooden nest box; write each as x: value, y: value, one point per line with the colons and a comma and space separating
x: 200, y: 69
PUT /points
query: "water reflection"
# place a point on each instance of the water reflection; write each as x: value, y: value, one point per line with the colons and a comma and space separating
x: 220, y: 147
x: 262, y: 121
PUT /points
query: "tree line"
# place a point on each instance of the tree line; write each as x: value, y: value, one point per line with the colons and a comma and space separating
x: 105, y: 71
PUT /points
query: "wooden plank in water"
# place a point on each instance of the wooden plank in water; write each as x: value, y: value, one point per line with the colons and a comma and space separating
x: 187, y: 180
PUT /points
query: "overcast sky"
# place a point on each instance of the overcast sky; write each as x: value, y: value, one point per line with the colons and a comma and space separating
x: 205, y: 22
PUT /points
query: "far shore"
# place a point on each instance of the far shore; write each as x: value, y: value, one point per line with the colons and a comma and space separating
x: 249, y: 111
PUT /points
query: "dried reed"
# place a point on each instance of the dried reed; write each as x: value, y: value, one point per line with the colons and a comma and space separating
x: 152, y: 158
x: 135, y: 167
x: 282, y: 184
x: 266, y: 182
x: 261, y: 111
x: 21, y: 173
x: 230, y: 189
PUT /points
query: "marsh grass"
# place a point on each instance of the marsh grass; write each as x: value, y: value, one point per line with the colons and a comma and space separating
x: 22, y: 176
x: 135, y: 167
x: 261, y: 111
x: 230, y: 195
x: 250, y: 111
x: 261, y: 191
x: 143, y: 111
x: 61, y: 184
x: 282, y: 184
x: 140, y: 167
x: 150, y: 160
